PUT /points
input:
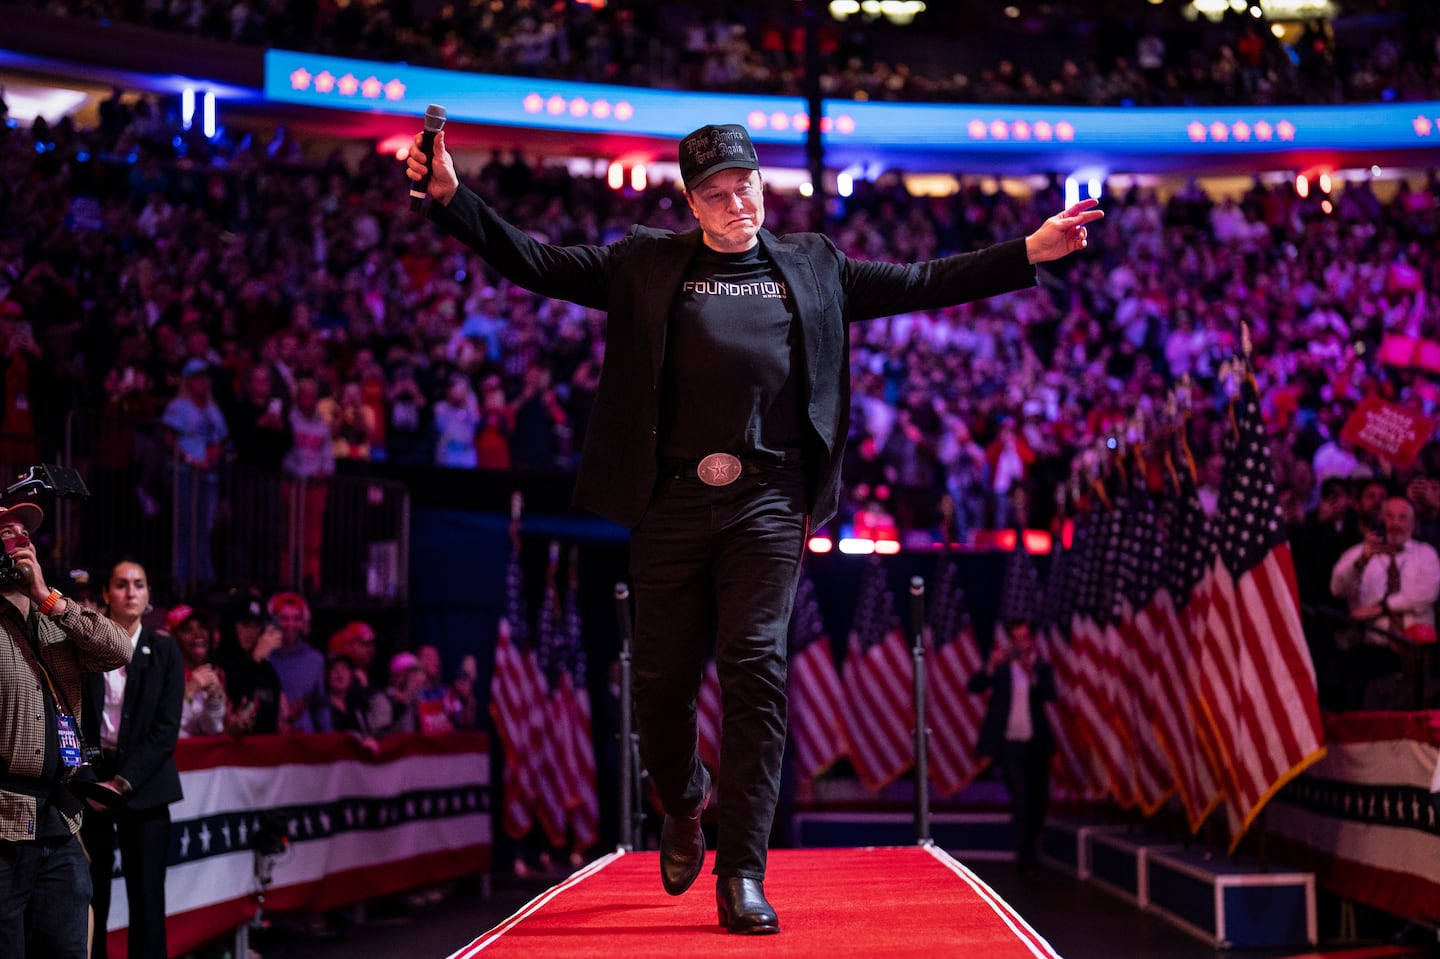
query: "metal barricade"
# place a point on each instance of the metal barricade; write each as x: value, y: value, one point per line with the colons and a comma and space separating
x: 124, y: 463
x: 199, y: 532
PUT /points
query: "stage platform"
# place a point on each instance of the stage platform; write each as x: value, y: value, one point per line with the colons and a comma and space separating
x: 1226, y: 903
x: 915, y: 901
x: 970, y: 836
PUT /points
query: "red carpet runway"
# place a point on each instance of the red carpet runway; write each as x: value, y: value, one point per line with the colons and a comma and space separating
x: 835, y: 903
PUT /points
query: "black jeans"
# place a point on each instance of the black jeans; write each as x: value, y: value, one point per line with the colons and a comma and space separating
x: 44, y: 897
x: 723, y: 561
x: 1026, y: 769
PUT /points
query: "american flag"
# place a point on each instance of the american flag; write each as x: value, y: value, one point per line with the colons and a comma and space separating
x: 584, y: 798
x: 955, y: 713
x: 1110, y: 612
x: 1276, y: 714
x: 878, y: 680
x: 1020, y: 594
x: 514, y: 699
x: 1141, y: 554
x: 709, y: 718
x: 1076, y: 768
x: 1186, y: 533
x: 554, y: 739
x: 1091, y: 669
x: 816, y: 699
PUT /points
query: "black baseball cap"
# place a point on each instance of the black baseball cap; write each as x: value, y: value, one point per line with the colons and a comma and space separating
x: 245, y: 606
x: 711, y: 149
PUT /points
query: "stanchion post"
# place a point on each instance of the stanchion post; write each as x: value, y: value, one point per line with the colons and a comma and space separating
x: 628, y: 826
x: 922, y: 734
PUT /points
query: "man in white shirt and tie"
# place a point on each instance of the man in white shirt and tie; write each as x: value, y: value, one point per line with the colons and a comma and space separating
x: 1015, y: 733
x: 1390, y: 580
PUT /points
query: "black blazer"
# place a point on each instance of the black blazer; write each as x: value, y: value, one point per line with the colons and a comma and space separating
x: 997, y: 714
x: 149, y: 719
x: 636, y: 279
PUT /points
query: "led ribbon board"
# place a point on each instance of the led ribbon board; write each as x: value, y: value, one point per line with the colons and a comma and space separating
x: 851, y: 127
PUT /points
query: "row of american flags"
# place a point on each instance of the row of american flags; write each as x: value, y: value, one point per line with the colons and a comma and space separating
x: 1181, y: 666
x: 1176, y: 636
x: 540, y: 705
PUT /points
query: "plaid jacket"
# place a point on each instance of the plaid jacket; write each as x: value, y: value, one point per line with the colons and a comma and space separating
x: 75, y: 641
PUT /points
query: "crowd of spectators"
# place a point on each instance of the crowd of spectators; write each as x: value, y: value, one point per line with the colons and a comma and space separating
x: 332, y: 326
x: 252, y: 667
x: 1078, y: 52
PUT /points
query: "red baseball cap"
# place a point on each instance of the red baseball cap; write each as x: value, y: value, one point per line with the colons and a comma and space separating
x: 27, y: 515
x: 178, y: 616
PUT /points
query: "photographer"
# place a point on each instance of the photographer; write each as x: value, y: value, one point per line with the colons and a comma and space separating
x: 1389, y: 580
x: 1015, y: 733
x: 46, y: 641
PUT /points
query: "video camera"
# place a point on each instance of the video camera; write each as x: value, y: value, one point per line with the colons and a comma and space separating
x: 60, y: 481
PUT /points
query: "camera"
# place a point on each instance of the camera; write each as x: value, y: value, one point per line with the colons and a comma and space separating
x: 62, y: 481
x: 10, y: 577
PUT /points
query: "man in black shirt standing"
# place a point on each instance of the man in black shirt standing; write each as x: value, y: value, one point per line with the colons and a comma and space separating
x: 716, y: 435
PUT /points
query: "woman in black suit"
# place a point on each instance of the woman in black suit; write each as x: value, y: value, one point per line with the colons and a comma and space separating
x: 133, y: 715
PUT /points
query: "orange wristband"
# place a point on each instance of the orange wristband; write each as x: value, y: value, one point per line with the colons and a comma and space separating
x: 50, y: 603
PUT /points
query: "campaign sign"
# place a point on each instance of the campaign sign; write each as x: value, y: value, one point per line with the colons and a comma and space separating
x: 1391, y: 432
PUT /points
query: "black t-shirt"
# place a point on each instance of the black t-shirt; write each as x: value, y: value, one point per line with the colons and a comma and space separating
x: 731, y: 377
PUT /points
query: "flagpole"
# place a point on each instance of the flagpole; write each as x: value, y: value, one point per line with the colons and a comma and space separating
x: 629, y: 818
x: 922, y: 741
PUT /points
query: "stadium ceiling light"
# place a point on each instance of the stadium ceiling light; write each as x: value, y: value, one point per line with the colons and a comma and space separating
x: 896, y: 11
x: 901, y: 11
x: 28, y: 102
x: 1298, y: 9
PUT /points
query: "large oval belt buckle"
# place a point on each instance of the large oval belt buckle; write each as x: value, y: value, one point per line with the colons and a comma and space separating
x: 719, y: 469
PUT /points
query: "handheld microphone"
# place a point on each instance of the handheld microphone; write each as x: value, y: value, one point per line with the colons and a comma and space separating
x: 917, y: 610
x: 622, y: 611
x: 434, y: 121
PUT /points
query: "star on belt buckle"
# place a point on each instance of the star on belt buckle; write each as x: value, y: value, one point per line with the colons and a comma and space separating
x: 719, y: 469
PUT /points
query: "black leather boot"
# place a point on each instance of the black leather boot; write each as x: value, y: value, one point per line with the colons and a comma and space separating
x: 742, y: 906
x: 682, y: 848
